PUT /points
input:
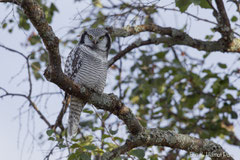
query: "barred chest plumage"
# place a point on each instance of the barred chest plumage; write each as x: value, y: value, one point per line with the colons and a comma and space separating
x: 93, y: 73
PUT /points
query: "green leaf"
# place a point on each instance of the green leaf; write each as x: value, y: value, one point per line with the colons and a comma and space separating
x: 53, y: 8
x: 112, y: 51
x: 183, y: 4
x: 36, y: 66
x: 4, y: 25
x: 44, y: 57
x: 61, y: 145
x: 34, y: 39
x: 234, y: 115
x: 72, y: 157
x: 118, y: 138
x: 204, y: 4
x: 229, y: 96
x: 134, y: 99
x: 97, y: 3
x: 50, y: 132
x: 209, y: 37
x: 161, y: 55
x: 234, y: 19
x: 222, y: 65
x: 105, y: 116
x: 90, y: 147
x: 191, y: 100
x: 37, y: 75
x: 75, y: 145
x: 100, y: 20
x: 10, y: 30
x: 86, y: 20
x: 98, y: 128
x: 32, y: 55
x: 51, y: 139
x: 140, y: 153
x: 113, y: 132
x: 84, y: 156
x: 23, y: 23
x: 105, y: 136
x: 87, y: 111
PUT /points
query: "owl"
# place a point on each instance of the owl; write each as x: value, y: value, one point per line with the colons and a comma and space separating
x: 87, y: 65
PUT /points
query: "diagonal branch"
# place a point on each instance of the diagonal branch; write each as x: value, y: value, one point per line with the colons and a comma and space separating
x: 173, y: 37
x: 223, y: 13
x: 224, y: 26
x: 7, y: 94
x: 36, y: 15
x: 18, y: 2
x: 171, y: 139
x: 15, y: 51
x: 180, y: 38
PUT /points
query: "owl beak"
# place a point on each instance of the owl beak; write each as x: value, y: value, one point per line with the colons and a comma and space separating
x: 95, y: 41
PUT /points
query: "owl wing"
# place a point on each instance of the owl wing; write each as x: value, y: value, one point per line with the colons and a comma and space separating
x: 73, y: 62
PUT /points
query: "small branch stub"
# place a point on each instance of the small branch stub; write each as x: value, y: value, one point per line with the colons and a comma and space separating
x: 235, y: 45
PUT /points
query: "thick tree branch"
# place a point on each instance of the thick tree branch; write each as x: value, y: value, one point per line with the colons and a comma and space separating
x: 171, y: 139
x: 174, y: 37
x: 179, y: 39
x: 36, y: 15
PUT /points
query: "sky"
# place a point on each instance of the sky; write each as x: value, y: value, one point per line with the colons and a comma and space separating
x: 18, y: 132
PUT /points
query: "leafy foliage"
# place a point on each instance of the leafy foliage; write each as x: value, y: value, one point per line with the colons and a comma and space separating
x: 184, y: 4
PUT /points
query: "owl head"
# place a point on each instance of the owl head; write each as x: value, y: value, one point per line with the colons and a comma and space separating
x: 97, y: 39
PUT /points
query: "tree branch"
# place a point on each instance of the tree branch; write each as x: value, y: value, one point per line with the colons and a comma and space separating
x: 15, y: 51
x: 225, y: 26
x: 18, y: 2
x: 174, y: 37
x: 30, y: 101
x: 171, y: 139
x: 179, y: 39
x: 36, y: 15
x: 58, y: 122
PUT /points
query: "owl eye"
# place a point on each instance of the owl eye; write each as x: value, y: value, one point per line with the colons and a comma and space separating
x: 90, y: 37
x: 101, y: 38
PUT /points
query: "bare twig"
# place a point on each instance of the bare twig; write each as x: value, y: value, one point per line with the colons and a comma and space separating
x: 58, y: 122
x: 6, y: 94
x: 47, y: 157
x: 237, y: 3
x: 14, y: 51
x: 18, y: 2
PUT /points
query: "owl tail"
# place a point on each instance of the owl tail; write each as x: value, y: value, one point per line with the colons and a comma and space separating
x: 76, y: 108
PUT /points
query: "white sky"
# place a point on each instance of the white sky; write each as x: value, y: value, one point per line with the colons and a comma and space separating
x: 10, y: 64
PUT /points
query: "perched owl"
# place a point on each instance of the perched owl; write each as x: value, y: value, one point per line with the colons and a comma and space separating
x: 87, y: 65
